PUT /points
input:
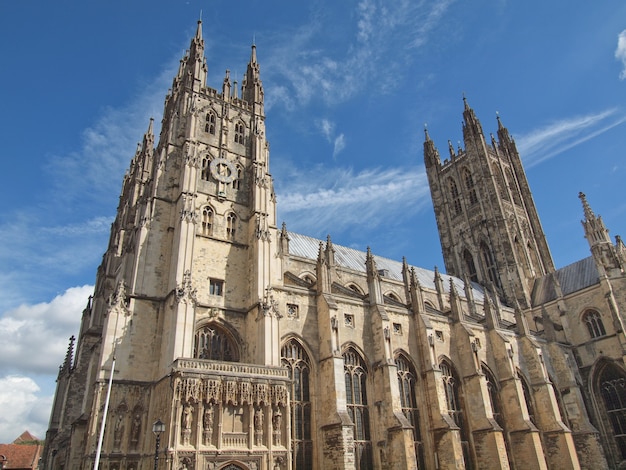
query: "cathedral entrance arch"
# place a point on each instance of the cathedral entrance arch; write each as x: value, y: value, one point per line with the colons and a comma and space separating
x: 234, y: 466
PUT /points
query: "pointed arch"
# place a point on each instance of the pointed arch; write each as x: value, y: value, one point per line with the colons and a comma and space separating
x: 355, y: 373
x: 205, y: 172
x: 470, y: 265
x: 452, y: 388
x: 528, y: 397
x: 489, y: 264
x: 238, y: 176
x: 231, y: 225
x: 297, y: 361
x: 206, y: 223
x: 513, y: 187
x: 355, y: 288
x: 213, y: 341
x: 609, y: 391
x: 593, y: 320
x: 407, y: 384
x: 469, y: 186
x: 209, y: 122
x: 494, y: 394
x: 240, y: 132
x: 455, y: 195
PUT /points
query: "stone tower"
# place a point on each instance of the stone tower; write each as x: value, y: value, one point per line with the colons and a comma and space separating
x: 488, y: 224
x: 190, y: 246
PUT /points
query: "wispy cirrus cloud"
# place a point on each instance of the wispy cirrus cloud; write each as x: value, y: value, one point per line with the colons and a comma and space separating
x: 327, y: 128
x: 620, y: 53
x: 318, y: 199
x: 369, y: 58
x: 546, y: 142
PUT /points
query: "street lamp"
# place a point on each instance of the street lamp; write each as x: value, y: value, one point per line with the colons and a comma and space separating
x: 157, y: 428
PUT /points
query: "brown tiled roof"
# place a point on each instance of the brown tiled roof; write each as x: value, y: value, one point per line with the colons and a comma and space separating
x: 23, y: 454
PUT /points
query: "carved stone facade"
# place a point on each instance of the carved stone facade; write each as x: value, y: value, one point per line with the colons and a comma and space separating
x: 264, y: 349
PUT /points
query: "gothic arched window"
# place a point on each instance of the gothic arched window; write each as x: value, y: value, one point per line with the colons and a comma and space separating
x: 494, y: 396
x: 356, y: 398
x: 471, y: 267
x: 209, y: 125
x: 239, y: 132
x: 231, y: 220
x: 527, y: 397
x: 206, y: 171
x: 212, y: 342
x: 490, y: 265
x: 207, y: 220
x: 469, y: 186
x: 455, y: 410
x: 407, y: 378
x: 238, y: 176
x: 611, y: 385
x: 513, y: 187
x: 593, y: 320
x: 296, y: 361
x: 454, y: 193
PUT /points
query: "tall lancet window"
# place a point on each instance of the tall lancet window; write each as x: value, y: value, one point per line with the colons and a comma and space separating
x: 490, y: 264
x: 469, y: 264
x: 407, y: 378
x: 455, y: 409
x: 209, y: 125
x: 207, y: 220
x: 296, y: 361
x: 239, y: 133
x: 593, y: 320
x: 612, y: 388
x: 469, y: 186
x: 454, y: 194
x: 231, y: 221
x: 356, y: 398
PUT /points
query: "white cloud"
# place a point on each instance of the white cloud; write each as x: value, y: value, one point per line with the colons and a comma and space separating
x: 22, y: 408
x: 39, y: 332
x: 557, y: 137
x: 340, y: 144
x: 370, y: 59
x: 620, y: 53
x: 323, y: 198
x: 326, y: 127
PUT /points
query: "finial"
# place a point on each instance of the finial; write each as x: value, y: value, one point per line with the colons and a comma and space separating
x: 586, y: 207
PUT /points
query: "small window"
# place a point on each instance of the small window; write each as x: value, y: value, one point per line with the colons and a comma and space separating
x: 239, y: 133
x: 207, y: 221
x: 397, y: 328
x: 349, y: 320
x: 237, y: 180
x: 216, y: 287
x: 469, y: 186
x: 593, y: 320
x: 209, y: 126
x: 454, y: 193
x: 206, y: 172
x: 231, y: 220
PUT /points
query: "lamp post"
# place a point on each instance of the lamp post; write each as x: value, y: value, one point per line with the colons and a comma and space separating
x: 157, y: 428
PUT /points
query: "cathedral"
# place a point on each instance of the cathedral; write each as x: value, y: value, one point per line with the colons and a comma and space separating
x: 217, y: 339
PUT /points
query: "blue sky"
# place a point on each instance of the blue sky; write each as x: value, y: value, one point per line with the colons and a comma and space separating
x: 349, y: 87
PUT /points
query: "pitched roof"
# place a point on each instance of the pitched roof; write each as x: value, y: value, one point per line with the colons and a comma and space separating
x: 308, y: 247
x: 20, y: 456
x: 571, y: 278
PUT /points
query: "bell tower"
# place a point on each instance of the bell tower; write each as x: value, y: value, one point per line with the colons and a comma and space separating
x: 487, y: 220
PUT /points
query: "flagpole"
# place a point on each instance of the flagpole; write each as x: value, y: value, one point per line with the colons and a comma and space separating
x: 104, y: 418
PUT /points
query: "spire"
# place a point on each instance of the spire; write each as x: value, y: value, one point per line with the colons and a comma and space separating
x: 226, y: 85
x: 252, y: 88
x: 597, y: 235
x: 503, y: 132
x: 471, y: 124
x: 431, y: 155
x: 194, y: 64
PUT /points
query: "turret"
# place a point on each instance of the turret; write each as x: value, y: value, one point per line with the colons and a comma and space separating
x: 431, y: 155
x: 252, y: 88
x: 604, y: 253
x: 471, y: 125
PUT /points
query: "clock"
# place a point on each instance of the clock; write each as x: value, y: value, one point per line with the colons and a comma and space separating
x: 223, y: 170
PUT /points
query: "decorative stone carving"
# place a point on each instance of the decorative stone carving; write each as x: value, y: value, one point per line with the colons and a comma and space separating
x: 208, y: 420
x: 258, y: 426
x: 277, y: 419
x: 186, y: 292
x: 117, y: 301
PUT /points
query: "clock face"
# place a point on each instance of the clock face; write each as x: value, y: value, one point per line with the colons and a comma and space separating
x: 223, y: 170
